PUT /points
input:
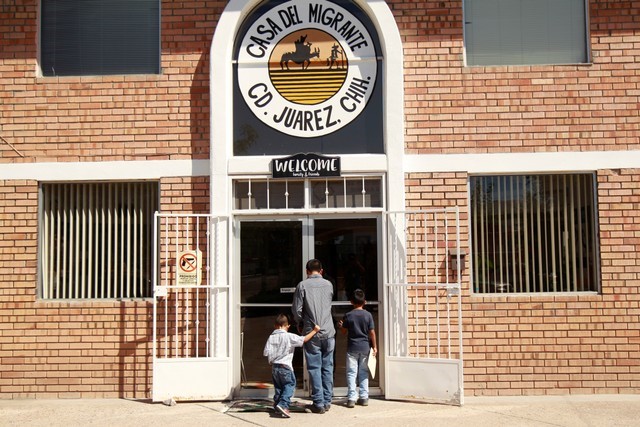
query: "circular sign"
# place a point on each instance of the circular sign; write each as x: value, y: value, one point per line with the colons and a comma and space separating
x: 188, y: 262
x: 307, y: 68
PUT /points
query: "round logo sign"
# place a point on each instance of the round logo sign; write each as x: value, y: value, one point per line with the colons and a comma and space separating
x: 307, y: 68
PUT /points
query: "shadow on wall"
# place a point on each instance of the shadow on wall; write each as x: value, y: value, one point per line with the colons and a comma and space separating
x: 200, y: 103
x: 135, y: 374
x: 20, y: 28
x: 200, y: 107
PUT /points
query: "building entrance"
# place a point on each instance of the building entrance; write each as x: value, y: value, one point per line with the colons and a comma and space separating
x: 272, y: 257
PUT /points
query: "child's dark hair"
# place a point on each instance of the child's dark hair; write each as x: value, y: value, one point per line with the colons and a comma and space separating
x: 282, y: 320
x: 358, y: 297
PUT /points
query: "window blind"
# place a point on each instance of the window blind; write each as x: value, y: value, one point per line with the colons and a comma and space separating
x: 533, y: 233
x: 523, y: 32
x: 99, y: 37
x: 95, y: 240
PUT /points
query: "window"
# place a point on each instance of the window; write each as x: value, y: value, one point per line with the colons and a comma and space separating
x: 334, y: 193
x: 524, y: 32
x: 99, y: 37
x: 533, y: 233
x: 96, y: 240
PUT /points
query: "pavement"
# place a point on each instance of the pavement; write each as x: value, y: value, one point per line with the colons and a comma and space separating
x: 587, y: 410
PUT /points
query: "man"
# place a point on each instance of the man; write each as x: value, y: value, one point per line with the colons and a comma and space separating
x: 312, y: 306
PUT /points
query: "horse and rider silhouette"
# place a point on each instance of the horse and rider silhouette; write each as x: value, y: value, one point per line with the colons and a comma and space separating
x: 302, y: 55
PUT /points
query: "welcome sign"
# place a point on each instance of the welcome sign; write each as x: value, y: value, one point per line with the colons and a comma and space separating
x: 307, y: 68
x: 305, y: 165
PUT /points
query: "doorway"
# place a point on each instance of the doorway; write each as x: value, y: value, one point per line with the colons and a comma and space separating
x: 273, y: 253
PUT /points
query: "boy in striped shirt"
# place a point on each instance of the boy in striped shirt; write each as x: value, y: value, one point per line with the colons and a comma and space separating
x: 279, y: 351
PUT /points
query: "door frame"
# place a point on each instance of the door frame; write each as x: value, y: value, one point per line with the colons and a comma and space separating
x: 225, y: 167
x: 308, y: 246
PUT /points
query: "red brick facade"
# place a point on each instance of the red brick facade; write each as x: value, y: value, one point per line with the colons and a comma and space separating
x: 450, y: 108
x: 578, y: 344
x: 71, y: 349
x: 514, y: 345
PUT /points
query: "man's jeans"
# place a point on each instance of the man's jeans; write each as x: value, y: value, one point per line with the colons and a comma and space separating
x: 284, y: 384
x: 319, y: 354
x: 357, y: 370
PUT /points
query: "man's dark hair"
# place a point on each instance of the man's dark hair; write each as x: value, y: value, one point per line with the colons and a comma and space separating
x: 314, y: 265
x: 358, y: 297
x: 282, y: 320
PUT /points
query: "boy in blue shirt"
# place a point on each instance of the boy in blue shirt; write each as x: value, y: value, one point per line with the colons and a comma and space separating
x: 361, y: 339
x: 279, y: 351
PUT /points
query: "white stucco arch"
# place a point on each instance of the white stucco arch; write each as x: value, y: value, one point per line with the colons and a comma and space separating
x: 221, y: 98
x: 223, y: 166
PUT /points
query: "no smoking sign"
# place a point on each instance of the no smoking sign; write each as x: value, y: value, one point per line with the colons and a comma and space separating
x: 189, y: 268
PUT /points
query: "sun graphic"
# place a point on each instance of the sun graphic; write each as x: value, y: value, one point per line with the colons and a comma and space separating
x: 308, y: 67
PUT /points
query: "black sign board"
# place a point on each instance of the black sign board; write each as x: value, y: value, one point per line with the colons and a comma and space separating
x: 305, y: 165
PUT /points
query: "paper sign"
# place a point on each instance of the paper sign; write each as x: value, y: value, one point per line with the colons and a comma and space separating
x: 189, y: 271
x: 371, y: 363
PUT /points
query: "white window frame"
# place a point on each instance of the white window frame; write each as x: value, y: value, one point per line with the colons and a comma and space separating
x: 336, y: 186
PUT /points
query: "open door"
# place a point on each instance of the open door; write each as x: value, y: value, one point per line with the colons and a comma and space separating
x: 272, y: 256
x: 191, y: 308
x: 423, y: 313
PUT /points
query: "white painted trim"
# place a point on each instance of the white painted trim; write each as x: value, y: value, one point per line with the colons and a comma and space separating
x: 522, y: 162
x: 392, y: 98
x: 221, y: 146
x: 221, y: 150
x: 190, y: 379
x: 92, y: 171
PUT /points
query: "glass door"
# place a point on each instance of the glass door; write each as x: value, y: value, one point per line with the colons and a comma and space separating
x: 273, y: 254
x: 348, y: 250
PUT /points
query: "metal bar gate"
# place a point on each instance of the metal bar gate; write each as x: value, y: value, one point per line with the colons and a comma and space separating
x: 191, y: 308
x: 423, y: 316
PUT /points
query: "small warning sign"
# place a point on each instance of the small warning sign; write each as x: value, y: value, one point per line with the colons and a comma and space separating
x: 189, y: 271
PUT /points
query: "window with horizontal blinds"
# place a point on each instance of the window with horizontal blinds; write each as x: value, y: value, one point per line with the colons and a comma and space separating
x: 96, y: 240
x: 525, y: 32
x: 533, y: 233
x: 100, y: 37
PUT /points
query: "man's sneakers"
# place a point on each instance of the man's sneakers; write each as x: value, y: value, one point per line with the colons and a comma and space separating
x: 284, y: 412
x: 351, y: 403
x: 316, y: 409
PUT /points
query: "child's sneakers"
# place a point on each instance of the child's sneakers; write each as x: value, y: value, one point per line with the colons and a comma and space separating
x: 283, y: 412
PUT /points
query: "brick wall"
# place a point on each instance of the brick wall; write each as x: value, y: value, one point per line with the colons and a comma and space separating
x: 453, y: 109
x: 536, y: 345
x: 449, y: 108
x: 71, y: 349
x: 89, y: 349
x: 107, y: 118
x: 578, y: 343
x: 530, y: 345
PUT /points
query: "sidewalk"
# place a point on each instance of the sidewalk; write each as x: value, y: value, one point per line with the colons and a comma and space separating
x: 598, y: 410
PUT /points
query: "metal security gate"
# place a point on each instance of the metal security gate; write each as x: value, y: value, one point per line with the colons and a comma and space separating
x: 423, y: 313
x: 191, y: 308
